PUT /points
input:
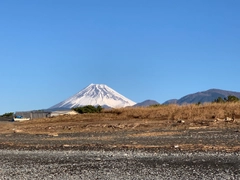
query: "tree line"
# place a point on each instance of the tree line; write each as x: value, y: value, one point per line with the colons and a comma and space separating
x: 230, y: 98
x: 88, y: 109
x: 10, y: 114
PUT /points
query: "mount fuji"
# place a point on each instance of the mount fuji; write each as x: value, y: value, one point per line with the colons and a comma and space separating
x: 95, y: 94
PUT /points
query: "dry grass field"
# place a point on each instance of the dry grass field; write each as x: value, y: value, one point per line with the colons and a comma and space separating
x: 164, y: 116
x: 135, y: 127
x: 210, y: 115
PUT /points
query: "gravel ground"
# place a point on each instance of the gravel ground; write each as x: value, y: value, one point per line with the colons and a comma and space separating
x: 121, y: 164
x: 218, y: 140
x: 145, y: 152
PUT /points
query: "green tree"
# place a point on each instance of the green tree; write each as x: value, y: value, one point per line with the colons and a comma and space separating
x: 88, y: 109
x: 232, y: 99
x: 99, y: 109
x: 154, y: 105
x: 219, y: 100
x: 198, y: 103
x: 10, y: 114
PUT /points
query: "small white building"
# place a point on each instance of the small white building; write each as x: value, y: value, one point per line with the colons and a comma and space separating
x: 42, y: 114
x: 32, y: 114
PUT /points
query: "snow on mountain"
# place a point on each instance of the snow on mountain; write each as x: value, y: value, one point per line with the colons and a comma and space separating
x: 95, y: 94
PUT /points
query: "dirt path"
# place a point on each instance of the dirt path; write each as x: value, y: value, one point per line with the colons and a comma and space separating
x: 121, y: 134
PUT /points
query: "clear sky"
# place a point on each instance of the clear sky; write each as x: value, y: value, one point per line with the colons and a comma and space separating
x: 143, y: 49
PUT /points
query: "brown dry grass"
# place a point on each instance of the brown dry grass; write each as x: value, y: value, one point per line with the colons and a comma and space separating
x: 131, y: 128
x: 176, y: 112
x: 123, y: 119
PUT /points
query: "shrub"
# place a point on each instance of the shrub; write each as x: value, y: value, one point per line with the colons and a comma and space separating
x: 88, y: 109
x: 10, y: 114
x: 230, y: 98
x: 155, y: 105
x: 219, y: 100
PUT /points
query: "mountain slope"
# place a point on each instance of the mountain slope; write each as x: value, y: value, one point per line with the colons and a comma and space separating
x: 171, y: 101
x: 96, y: 94
x: 146, y: 103
x: 206, y: 96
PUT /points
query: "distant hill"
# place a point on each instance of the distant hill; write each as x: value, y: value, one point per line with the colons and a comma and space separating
x: 146, y: 103
x: 171, y: 101
x: 204, y: 96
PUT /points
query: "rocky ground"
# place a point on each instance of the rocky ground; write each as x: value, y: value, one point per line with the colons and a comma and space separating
x: 118, y: 135
x: 119, y: 150
x: 125, y: 164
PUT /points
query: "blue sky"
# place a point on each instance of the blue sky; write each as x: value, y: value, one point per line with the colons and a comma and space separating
x: 144, y: 49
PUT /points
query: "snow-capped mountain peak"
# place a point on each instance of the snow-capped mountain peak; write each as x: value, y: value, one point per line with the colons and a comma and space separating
x: 96, y: 94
